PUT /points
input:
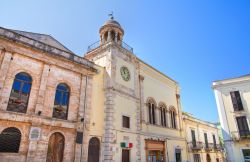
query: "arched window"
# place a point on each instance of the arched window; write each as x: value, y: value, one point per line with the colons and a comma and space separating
x: 10, y: 139
x: 94, y: 150
x: 173, y: 118
x: 19, y: 96
x: 61, y: 103
x: 55, y: 148
x: 112, y: 35
x: 163, y: 112
x: 151, y: 111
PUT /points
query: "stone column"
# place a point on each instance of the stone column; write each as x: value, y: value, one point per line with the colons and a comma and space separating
x: 42, y: 89
x: 3, y: 71
x: 116, y: 35
x: 109, y: 36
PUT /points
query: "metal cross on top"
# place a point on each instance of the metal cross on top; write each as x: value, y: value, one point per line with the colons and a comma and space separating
x: 111, y: 16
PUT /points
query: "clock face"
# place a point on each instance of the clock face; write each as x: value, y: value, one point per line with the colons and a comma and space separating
x: 125, y: 73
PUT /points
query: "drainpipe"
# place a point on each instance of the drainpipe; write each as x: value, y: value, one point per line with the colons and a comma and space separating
x: 84, y: 108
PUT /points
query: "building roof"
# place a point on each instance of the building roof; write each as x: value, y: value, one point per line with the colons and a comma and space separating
x: 229, y: 81
x: 112, y: 22
x: 44, y: 43
x: 44, y: 38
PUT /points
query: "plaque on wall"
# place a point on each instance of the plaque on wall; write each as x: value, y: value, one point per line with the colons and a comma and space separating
x: 34, y: 133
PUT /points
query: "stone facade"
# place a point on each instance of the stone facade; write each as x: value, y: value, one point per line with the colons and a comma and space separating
x: 46, y: 71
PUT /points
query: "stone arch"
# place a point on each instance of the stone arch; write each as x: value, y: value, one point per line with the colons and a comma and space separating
x: 10, y: 140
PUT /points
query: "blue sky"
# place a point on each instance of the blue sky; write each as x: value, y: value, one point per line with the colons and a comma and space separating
x: 193, y: 41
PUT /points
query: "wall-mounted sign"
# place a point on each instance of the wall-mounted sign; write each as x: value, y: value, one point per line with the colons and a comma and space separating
x: 34, y: 133
x: 126, y: 145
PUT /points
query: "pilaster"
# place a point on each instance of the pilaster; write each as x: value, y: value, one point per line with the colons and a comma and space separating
x: 42, y: 89
x: 3, y: 71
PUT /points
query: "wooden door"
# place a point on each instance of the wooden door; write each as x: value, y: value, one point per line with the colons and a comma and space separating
x: 55, y: 148
x: 94, y: 150
x: 125, y: 155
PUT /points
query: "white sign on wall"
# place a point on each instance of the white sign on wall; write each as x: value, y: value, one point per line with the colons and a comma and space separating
x: 34, y: 133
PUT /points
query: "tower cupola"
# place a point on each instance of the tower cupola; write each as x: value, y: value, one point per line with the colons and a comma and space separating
x: 111, y: 31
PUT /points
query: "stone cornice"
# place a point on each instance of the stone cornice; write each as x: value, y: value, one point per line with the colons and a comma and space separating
x: 26, y: 41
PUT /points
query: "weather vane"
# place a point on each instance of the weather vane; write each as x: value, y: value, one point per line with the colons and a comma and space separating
x: 111, y: 15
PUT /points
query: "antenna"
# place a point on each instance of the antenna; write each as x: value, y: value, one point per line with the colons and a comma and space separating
x: 111, y: 15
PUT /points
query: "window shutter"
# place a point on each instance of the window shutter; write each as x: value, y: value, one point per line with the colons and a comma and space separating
x: 236, y: 100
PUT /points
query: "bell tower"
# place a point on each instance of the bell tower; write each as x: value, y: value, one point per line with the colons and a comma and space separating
x: 111, y: 31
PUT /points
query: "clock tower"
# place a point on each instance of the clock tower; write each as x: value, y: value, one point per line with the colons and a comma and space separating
x: 121, y: 93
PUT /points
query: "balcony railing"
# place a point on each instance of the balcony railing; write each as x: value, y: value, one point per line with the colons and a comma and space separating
x: 241, y: 135
x: 218, y: 147
x: 99, y: 44
x: 195, y: 145
x: 209, y: 146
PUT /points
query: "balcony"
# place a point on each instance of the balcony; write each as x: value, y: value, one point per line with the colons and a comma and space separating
x: 218, y: 147
x: 100, y: 44
x: 195, y: 146
x: 241, y: 135
x: 209, y: 146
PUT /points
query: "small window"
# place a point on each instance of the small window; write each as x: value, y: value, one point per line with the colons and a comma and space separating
x: 10, y: 140
x: 19, y: 96
x: 236, y: 100
x: 125, y: 122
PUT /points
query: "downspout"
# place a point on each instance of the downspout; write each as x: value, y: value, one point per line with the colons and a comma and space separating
x: 84, y: 109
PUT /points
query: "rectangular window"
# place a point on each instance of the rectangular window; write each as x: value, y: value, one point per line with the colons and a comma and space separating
x: 193, y: 138
x: 178, y: 155
x: 242, y: 126
x: 206, y: 141
x: 214, y: 140
x: 236, y: 100
x: 125, y: 155
x: 125, y: 122
x: 197, y: 158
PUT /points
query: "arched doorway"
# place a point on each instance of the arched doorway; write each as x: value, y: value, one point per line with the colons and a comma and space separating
x: 55, y: 148
x: 208, y: 158
x: 94, y: 150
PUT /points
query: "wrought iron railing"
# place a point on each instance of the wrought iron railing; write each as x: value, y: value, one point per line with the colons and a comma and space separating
x: 218, y: 147
x: 195, y: 145
x: 209, y: 146
x: 241, y: 135
x: 99, y: 44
